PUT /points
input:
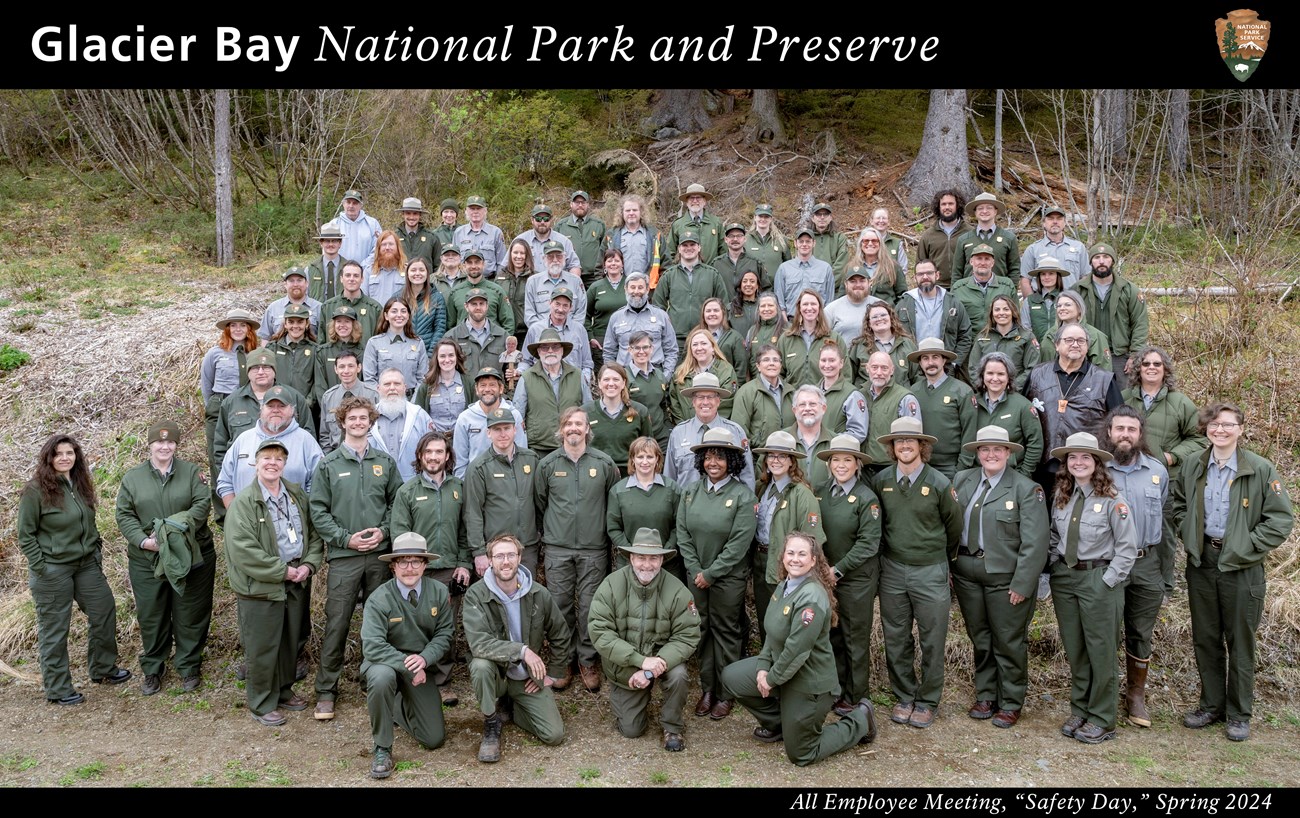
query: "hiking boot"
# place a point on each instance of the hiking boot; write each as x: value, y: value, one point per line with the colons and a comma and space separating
x: 152, y: 684
x: 489, y: 749
x: 381, y: 766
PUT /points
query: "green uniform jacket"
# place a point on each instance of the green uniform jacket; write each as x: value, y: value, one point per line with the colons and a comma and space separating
x: 588, y: 239
x: 253, y: 563
x: 683, y: 299
x: 446, y: 235
x: 761, y: 332
x: 732, y: 344
x: 1015, y: 525
x: 603, y: 300
x: 757, y: 413
x: 479, y: 355
x: 832, y: 248
x: 1015, y: 414
x: 434, y: 513
x: 922, y: 521
x: 852, y: 524
x: 500, y: 311
x: 392, y: 629
x: 630, y: 622
x: 316, y: 279
x: 349, y: 495
x: 368, y: 311
x: 1125, y: 308
x: 1040, y: 309
x: 652, y: 392
x: 948, y: 413
x: 540, y: 621
x: 55, y: 535
x: 681, y: 406
x: 1172, y: 426
x: 797, y: 510
x: 882, y: 411
x: 295, y: 365
x: 976, y: 299
x: 1019, y: 345
x: 572, y: 497
x: 889, y: 293
x: 797, y: 652
x: 240, y: 412
x: 326, y: 355
x: 860, y: 352
x: 144, y: 497
x: 542, y: 409
x: 499, y: 498
x: 614, y: 435
x: 423, y: 243
x: 1006, y: 254
x: 769, y: 253
x: 714, y: 531
x: 1260, y: 516
x: 957, y: 331
x: 815, y: 469
x: 799, y: 359
x: 732, y: 272
x: 515, y: 289
x: 630, y: 508
x: 937, y: 246
x: 710, y: 230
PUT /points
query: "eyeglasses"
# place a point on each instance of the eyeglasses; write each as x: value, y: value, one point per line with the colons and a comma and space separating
x: 642, y: 347
x: 1152, y: 364
x: 871, y: 241
x: 505, y: 557
x: 1074, y: 342
x: 410, y: 562
x: 1224, y: 425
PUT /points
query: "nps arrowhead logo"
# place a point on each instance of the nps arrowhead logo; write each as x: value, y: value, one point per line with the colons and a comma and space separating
x: 1243, y: 39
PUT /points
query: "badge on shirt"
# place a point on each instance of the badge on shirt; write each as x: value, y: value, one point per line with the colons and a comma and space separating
x: 459, y: 390
x: 947, y: 399
x: 1011, y: 504
x: 812, y: 520
x: 728, y: 503
x: 852, y: 498
x: 591, y: 472
x: 306, y: 353
x: 433, y: 611
x: 1122, y: 508
x: 925, y: 491
x: 362, y: 310
x: 1277, y: 487
x: 629, y: 420
x: 455, y: 495
x: 784, y: 503
x: 807, y: 616
x: 1245, y: 502
x: 378, y: 469
x: 875, y: 511
x: 1038, y: 494
x: 691, y: 609
x: 528, y: 469
x: 653, y: 319
x: 1096, y: 507
x: 1155, y: 479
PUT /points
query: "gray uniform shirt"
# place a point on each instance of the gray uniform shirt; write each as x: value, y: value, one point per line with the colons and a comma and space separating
x: 1218, y: 481
x: 626, y: 322
x: 274, y: 318
x: 537, y: 298
x: 1106, y: 532
x: 679, y: 460
x: 1145, y: 484
x: 795, y: 276
x: 489, y: 241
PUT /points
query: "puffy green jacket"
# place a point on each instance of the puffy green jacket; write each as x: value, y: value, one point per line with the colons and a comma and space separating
x: 253, y: 563
x: 1171, y: 426
x: 630, y: 621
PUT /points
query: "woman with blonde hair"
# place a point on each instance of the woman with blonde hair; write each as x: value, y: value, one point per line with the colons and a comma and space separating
x: 701, y: 353
x: 800, y: 346
x: 888, y: 281
x: 883, y: 332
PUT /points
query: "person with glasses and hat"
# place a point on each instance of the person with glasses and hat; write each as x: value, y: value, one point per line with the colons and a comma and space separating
x: 1069, y: 254
x: 645, y: 626
x: 706, y: 226
x: 586, y: 234
x: 921, y: 530
x: 559, y: 319
x: 1230, y: 508
x: 995, y: 575
x: 478, y: 234
x: 1094, y: 545
x: 548, y: 387
x: 417, y: 240
x: 706, y: 394
x: 985, y: 209
x: 162, y: 512
x: 791, y: 684
x: 406, y: 627
x: 360, y: 231
x: 323, y: 273
x: 542, y: 235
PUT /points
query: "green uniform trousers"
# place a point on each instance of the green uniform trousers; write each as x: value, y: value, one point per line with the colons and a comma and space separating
x: 392, y: 699
x: 53, y: 592
x: 630, y: 706
x: 1226, y: 607
x: 535, y: 713
x: 1143, y: 594
x: 851, y: 638
x: 345, y: 578
x: 572, y: 577
x: 211, y: 412
x: 723, y: 627
x: 997, y: 631
x: 269, y: 630
x: 166, y: 616
x: 799, y: 717
x: 914, y: 593
x: 762, y: 589
x: 1088, y: 613
x: 443, y: 667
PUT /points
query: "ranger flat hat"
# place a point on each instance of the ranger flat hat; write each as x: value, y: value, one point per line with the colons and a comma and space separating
x: 236, y: 314
x: 260, y: 357
x: 330, y: 230
x: 279, y: 393
x: 992, y: 436
x: 929, y: 345
x: 718, y: 438
x: 409, y: 544
x: 695, y: 190
x: 294, y: 271
x: 412, y: 203
x: 165, y: 430
x: 903, y: 429
x: 648, y: 542
x: 550, y: 336
x: 354, y: 194
x: 705, y: 382
x: 488, y: 372
x: 500, y: 416
x: 271, y: 443
x: 1082, y: 442
x: 449, y: 204
x: 1048, y: 263
x: 780, y: 443
x: 984, y: 198
x: 476, y: 201
x: 844, y: 444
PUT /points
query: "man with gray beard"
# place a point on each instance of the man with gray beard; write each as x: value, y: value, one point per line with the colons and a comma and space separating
x: 401, y: 423
x: 238, y: 468
x: 550, y: 276
x: 641, y: 316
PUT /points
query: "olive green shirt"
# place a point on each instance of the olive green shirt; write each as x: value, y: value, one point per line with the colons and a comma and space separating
x: 350, y: 494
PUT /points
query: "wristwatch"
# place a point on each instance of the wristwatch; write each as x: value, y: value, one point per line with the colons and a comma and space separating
x: 649, y: 677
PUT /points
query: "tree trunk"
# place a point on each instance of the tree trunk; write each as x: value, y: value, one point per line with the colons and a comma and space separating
x: 223, y: 174
x: 943, y: 161
x: 1179, y: 114
x: 997, y: 144
x: 1115, y: 105
x: 1098, y: 152
x: 764, y: 121
x: 681, y: 111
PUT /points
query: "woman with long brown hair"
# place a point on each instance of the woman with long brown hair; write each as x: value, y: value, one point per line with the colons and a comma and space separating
x: 57, y: 535
x: 615, y: 419
x: 443, y: 393
x: 700, y: 353
x: 428, y: 308
x: 888, y: 281
x: 513, y: 278
x: 1003, y: 333
x: 713, y: 317
x: 800, y: 345
x: 395, y: 344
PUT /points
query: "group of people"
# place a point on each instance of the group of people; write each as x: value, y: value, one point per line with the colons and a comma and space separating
x: 605, y: 523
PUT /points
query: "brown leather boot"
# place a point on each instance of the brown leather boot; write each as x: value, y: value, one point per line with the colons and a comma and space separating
x: 1135, y: 696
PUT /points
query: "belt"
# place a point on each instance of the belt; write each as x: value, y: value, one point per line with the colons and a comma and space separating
x: 1088, y: 565
x: 760, y: 546
x: 1214, y: 542
x: 1142, y: 552
x: 963, y: 551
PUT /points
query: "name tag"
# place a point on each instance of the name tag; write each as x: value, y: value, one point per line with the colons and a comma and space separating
x: 393, y: 619
x: 345, y: 474
x: 425, y: 497
x: 887, y: 488
x: 561, y: 474
x: 1004, y: 417
x: 474, y: 430
x: 498, y: 475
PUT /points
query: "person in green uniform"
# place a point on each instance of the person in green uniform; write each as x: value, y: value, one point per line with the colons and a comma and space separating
x: 616, y: 420
x: 936, y: 243
x: 353, y: 489
x: 999, y: 403
x: 829, y: 244
x: 418, y: 241
x: 995, y: 576
x: 323, y: 272
x: 887, y: 400
x: 509, y: 619
x: 1117, y: 308
x: 883, y: 332
x: 713, y: 317
x: 985, y: 209
x: 768, y: 325
x: 645, y: 627
x: 1093, y: 549
x: 225, y: 369
x: 57, y: 535
x: 587, y: 232
x: 742, y: 310
x: 294, y: 347
x: 920, y: 533
x: 571, y: 488
x: 682, y: 288
x: 647, y: 499
x: 499, y: 494
x: 547, y: 388
x: 875, y: 262
x: 765, y: 241
x: 344, y: 335
x: 605, y: 297
x: 499, y: 306
x: 791, y: 685
x: 706, y: 226
x: 846, y: 407
x: 947, y: 405
x: 368, y: 310
x: 786, y: 503
x: 733, y: 262
x: 1038, y: 308
x: 1002, y: 333
x: 172, y: 570
x: 766, y: 403
x: 481, y: 341
x: 1070, y: 309
x: 715, y: 528
x: 976, y: 291
x: 851, y: 521
x: 406, y: 626
x: 431, y: 504
x: 811, y: 429
x: 701, y: 354
x: 1230, y: 509
x: 649, y: 385
x: 448, y: 210
x: 1171, y: 423
x: 801, y: 343
x: 513, y: 279
x: 272, y: 552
